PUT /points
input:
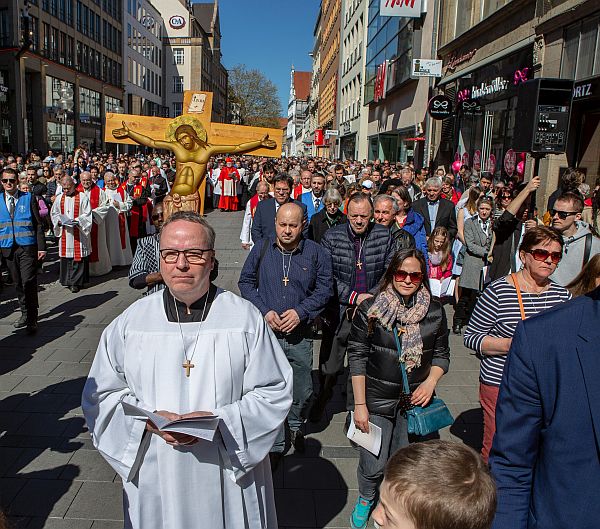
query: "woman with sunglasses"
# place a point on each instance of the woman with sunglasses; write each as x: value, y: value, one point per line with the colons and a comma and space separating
x: 403, y: 305
x: 504, y: 303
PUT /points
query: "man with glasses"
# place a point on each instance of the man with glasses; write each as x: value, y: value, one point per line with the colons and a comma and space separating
x: 580, y: 243
x: 263, y: 226
x: 22, y: 245
x: 190, y: 351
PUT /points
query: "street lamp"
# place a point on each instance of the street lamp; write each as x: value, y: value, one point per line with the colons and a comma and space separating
x: 118, y: 109
x: 65, y: 104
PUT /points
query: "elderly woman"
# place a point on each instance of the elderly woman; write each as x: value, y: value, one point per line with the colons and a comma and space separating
x: 408, y: 219
x: 504, y: 303
x: 403, y: 305
x: 328, y: 217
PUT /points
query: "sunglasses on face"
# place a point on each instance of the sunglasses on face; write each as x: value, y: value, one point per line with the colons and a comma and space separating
x: 8, y: 180
x: 562, y: 214
x: 401, y: 275
x: 539, y: 254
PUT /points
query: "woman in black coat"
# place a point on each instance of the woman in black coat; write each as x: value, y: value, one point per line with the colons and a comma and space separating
x: 328, y: 217
x: 403, y: 303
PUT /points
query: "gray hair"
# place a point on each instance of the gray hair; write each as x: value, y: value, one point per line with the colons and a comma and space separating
x: 332, y: 195
x: 193, y: 217
x: 434, y: 181
x: 389, y: 198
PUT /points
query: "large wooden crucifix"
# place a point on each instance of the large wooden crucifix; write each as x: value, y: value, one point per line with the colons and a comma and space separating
x: 193, y: 139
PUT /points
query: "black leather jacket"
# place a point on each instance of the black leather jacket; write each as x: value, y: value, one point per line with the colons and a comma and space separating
x: 402, y: 240
x: 374, y: 355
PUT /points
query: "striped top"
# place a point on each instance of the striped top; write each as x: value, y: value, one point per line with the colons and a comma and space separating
x: 146, y: 261
x: 497, y: 314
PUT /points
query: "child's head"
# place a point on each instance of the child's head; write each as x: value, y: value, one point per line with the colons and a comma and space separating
x: 436, y: 485
x: 439, y: 241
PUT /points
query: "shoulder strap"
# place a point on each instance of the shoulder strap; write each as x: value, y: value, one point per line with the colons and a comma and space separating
x: 402, y: 367
x: 263, y: 251
x: 519, y: 297
x: 588, y: 248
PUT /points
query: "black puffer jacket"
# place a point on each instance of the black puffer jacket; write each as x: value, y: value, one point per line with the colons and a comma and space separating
x: 377, y: 252
x: 375, y: 356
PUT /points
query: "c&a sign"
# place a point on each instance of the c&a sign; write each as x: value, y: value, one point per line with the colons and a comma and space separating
x: 401, y: 8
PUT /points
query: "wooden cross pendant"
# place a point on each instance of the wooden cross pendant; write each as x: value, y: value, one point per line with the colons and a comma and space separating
x: 359, y: 264
x: 285, y: 281
x: 187, y: 365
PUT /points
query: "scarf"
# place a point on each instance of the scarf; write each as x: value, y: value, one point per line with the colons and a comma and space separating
x: 389, y: 308
x: 435, y: 258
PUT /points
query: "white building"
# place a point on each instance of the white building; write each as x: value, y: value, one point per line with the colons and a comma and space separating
x: 312, y: 120
x: 142, y: 63
x: 352, y: 118
x: 297, y: 111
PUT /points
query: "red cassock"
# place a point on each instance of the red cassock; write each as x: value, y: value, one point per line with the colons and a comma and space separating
x: 229, y: 177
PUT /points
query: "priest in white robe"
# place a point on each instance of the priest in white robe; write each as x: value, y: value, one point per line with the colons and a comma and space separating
x: 180, y: 351
x: 99, y: 257
x: 71, y: 216
x: 119, y: 245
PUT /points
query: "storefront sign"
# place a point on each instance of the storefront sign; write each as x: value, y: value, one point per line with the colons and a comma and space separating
x: 440, y: 107
x: 346, y: 127
x: 380, y: 82
x: 426, y: 68
x: 401, y: 8
x: 470, y: 107
x: 456, y: 60
x: 319, y: 137
x: 510, y: 162
x: 465, y: 159
x: 477, y: 160
x: 331, y: 132
x: 177, y: 22
x: 521, y: 76
x: 586, y: 89
x: 498, y: 84
x: 490, y: 167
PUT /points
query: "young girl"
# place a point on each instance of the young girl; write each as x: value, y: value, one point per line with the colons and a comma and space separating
x: 440, y: 257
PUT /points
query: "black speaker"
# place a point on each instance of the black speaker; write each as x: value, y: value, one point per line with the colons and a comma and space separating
x: 542, y: 117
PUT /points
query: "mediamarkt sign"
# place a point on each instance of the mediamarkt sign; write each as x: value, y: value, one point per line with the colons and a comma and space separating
x: 401, y: 8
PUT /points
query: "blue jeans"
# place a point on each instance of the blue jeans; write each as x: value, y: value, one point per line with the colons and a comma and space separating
x: 298, y: 348
x: 394, y: 435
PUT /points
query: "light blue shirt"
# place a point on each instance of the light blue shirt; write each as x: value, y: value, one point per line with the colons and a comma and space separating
x: 433, y: 209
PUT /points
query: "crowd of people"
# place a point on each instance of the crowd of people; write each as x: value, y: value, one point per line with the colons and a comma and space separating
x: 370, y: 255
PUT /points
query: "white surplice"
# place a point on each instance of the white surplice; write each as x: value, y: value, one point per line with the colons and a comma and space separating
x: 119, y: 256
x: 103, y: 265
x: 241, y: 375
x: 65, y: 234
x: 245, y: 235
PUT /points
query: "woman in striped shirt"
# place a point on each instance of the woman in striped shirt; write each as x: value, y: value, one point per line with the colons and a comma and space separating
x: 503, y: 304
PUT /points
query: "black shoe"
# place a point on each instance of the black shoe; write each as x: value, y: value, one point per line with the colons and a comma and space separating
x: 21, y: 322
x: 457, y: 328
x: 74, y: 289
x: 32, y: 327
x: 297, y: 438
x: 275, y: 459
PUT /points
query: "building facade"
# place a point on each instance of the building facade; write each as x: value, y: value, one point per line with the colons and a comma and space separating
x: 312, y: 119
x: 142, y: 61
x: 60, y: 71
x: 297, y: 111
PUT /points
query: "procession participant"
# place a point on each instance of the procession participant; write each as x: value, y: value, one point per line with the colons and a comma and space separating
x: 138, y: 216
x: 157, y: 184
x: 229, y: 178
x: 329, y: 216
x: 436, y: 211
x: 22, y: 245
x: 119, y: 248
x: 202, y: 362
x: 216, y: 183
x: 262, y: 193
x: 385, y: 211
x: 99, y: 258
x: 313, y: 199
x: 73, y: 236
x: 266, y: 174
x: 289, y: 280
x: 305, y: 185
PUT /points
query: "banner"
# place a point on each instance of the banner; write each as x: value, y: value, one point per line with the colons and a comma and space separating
x: 401, y: 8
x: 319, y: 137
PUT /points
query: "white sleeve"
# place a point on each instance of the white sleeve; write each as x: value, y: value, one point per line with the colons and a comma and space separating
x: 246, y: 225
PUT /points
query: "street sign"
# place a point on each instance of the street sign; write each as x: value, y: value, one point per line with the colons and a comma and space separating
x: 426, y: 68
x: 401, y: 8
x: 332, y: 132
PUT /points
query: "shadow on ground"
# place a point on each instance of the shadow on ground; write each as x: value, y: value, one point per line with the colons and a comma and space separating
x: 468, y: 427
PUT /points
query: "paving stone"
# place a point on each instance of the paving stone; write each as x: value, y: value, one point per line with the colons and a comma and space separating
x: 69, y: 369
x: 44, y: 463
x: 36, y: 383
x: 52, y: 498
x: 307, y: 473
x: 35, y: 367
x: 88, y: 465
x: 86, y: 504
x: 59, y: 523
x: 41, y: 403
x: 9, y: 382
x: 68, y: 355
x: 9, y: 488
x: 333, y: 507
x: 295, y: 508
x: 43, y: 424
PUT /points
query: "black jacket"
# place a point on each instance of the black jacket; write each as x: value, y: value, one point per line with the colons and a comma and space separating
x: 375, y: 355
x: 402, y: 240
x: 446, y: 215
x: 318, y: 224
x: 507, y: 229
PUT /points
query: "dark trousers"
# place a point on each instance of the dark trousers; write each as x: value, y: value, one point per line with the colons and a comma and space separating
x: 22, y: 264
x: 74, y: 273
x: 332, y: 361
x: 464, y: 307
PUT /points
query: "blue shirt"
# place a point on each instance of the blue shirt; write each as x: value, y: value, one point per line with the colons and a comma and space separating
x: 310, y: 279
x: 433, y: 209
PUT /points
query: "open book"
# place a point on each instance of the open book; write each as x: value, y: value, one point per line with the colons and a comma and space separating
x: 201, y: 427
x: 67, y: 221
x: 443, y: 288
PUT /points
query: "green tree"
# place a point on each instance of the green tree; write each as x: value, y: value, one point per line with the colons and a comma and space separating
x: 254, y: 96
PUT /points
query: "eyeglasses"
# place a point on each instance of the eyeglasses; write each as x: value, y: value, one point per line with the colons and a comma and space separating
x: 540, y: 254
x: 562, y: 214
x: 192, y: 256
x: 8, y: 180
x: 401, y: 275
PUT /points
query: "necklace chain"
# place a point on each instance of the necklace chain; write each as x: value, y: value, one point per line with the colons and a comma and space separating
x: 188, y: 360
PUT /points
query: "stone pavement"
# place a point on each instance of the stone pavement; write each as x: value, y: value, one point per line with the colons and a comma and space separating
x: 50, y: 474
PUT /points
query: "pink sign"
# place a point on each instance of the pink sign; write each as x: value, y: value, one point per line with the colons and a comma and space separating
x: 491, y: 164
x: 510, y: 162
x: 477, y: 160
x: 466, y: 158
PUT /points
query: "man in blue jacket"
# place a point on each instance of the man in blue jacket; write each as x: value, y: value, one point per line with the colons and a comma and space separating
x: 22, y: 244
x: 546, y: 452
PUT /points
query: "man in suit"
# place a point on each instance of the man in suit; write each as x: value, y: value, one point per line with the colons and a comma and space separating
x: 545, y: 457
x: 263, y: 225
x: 436, y: 211
x: 314, y: 199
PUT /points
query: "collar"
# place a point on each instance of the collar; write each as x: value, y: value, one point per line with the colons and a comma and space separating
x: 434, y: 203
x: 298, y: 249
x: 354, y: 236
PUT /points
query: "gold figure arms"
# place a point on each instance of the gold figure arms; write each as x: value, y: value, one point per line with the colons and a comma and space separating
x: 126, y: 132
x: 243, y: 147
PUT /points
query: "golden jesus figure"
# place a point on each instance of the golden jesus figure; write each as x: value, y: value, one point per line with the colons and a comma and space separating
x: 187, y: 139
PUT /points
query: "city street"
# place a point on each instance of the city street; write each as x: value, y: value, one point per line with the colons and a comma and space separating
x: 52, y: 477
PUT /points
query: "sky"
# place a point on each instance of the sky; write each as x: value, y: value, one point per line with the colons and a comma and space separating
x: 269, y: 36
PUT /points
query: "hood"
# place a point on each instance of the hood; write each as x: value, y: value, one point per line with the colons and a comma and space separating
x: 414, y: 218
x: 582, y: 230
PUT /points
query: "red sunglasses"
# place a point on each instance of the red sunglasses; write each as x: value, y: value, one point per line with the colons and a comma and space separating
x: 542, y: 255
x: 415, y: 277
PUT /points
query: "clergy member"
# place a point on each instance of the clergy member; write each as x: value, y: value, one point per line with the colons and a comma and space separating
x: 139, y: 214
x: 179, y: 351
x: 229, y: 178
x: 100, y: 263
x: 262, y: 192
x: 71, y: 216
x: 119, y: 245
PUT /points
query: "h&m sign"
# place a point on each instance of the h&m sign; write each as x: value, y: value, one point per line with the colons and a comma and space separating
x: 402, y: 8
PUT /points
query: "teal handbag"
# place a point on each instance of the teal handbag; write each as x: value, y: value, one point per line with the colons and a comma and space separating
x: 428, y: 419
